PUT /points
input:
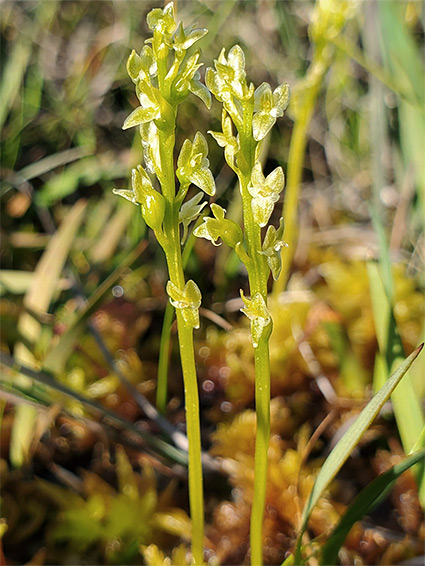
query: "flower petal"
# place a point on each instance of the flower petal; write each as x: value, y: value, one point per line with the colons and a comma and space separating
x: 203, y: 179
x: 140, y: 116
x: 276, y: 180
x: 262, y: 123
x: 207, y: 230
x: 281, y: 96
x: 236, y: 60
x: 201, y: 91
x: 263, y: 97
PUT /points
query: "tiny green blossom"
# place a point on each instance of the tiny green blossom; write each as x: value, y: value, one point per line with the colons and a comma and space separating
x: 189, y: 212
x: 162, y: 20
x: 143, y: 66
x: 268, y: 106
x: 183, y: 38
x: 153, y: 106
x: 188, y: 79
x: 193, y: 164
x: 257, y: 312
x: 265, y: 192
x: 151, y: 202
x: 228, y: 82
x: 219, y: 227
x: 187, y: 300
x: 227, y: 140
x: 272, y: 246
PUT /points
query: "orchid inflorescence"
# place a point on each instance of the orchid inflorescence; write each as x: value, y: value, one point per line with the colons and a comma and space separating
x: 164, y: 73
x: 158, y: 104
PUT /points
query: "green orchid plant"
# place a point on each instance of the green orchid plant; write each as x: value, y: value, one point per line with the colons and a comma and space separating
x: 247, y: 117
x: 164, y: 75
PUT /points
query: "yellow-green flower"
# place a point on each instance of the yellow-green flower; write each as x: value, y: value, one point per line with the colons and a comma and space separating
x: 268, y: 106
x: 265, y: 192
x: 187, y: 300
x: 219, y: 227
x: 193, y: 164
x: 261, y: 321
x: 272, y: 246
x: 226, y: 139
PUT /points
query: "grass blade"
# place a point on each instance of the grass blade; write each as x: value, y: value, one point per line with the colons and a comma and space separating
x: 347, y: 443
x: 43, y: 377
x: 366, y: 500
x: 37, y: 300
x: 57, y: 357
x: 407, y: 409
x: 47, y: 274
x: 13, y: 76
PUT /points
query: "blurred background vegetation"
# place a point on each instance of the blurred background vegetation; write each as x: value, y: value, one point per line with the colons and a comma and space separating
x: 90, y: 473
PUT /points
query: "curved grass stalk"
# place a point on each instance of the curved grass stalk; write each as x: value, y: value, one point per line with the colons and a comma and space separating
x: 294, y: 173
x: 328, y: 19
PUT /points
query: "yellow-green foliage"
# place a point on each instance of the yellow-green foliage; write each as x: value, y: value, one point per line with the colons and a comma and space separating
x: 118, y: 520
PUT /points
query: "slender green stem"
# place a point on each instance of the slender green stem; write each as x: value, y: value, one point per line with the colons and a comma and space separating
x: 164, y: 348
x: 262, y: 438
x: 257, y: 275
x: 172, y: 249
x: 196, y: 500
